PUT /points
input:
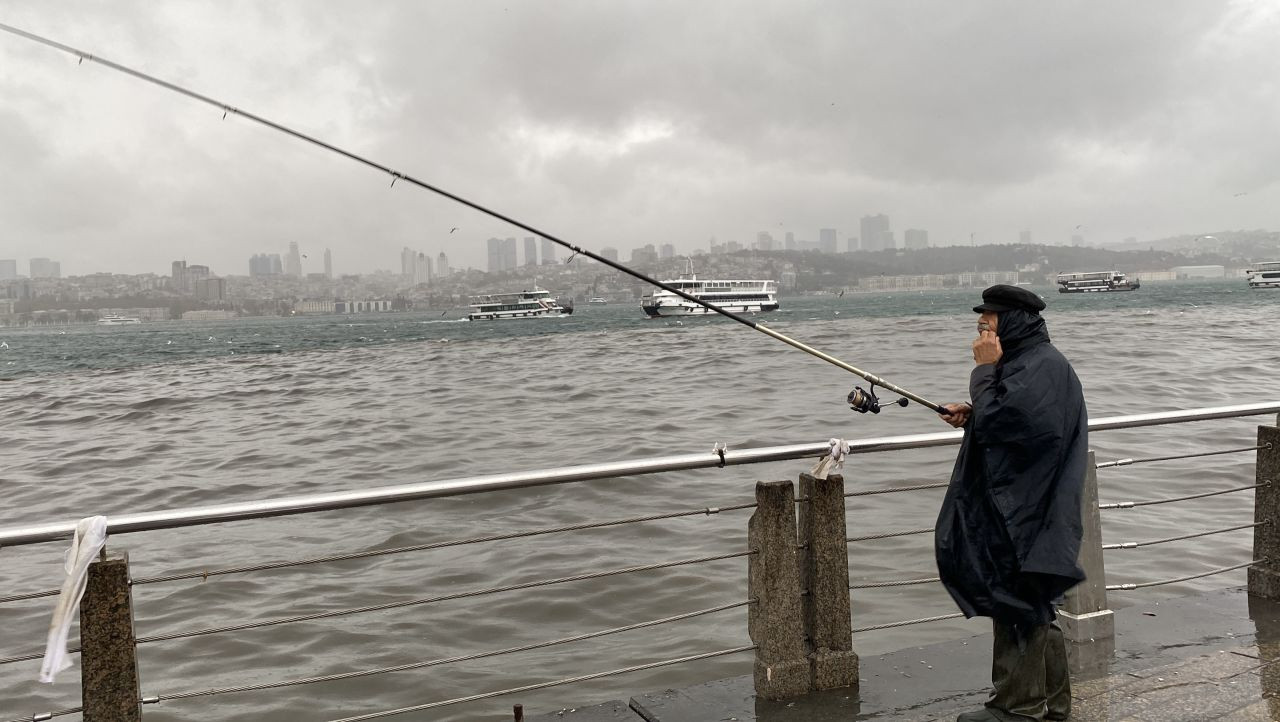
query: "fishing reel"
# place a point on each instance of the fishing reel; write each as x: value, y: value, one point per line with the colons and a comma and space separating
x: 867, y: 401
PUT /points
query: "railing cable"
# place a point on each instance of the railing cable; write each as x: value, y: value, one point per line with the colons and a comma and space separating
x: 888, y: 535
x: 896, y: 489
x: 35, y: 655
x: 1211, y: 572
x: 47, y: 715
x: 440, y: 598
x: 1132, y: 504
x: 906, y: 622
x: 707, y: 511
x: 446, y: 660
x: 32, y: 595
x: 1127, y: 462
x: 1135, y: 545
x: 544, y: 685
x: 897, y: 583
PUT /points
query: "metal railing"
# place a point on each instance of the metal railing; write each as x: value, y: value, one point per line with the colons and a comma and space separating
x: 776, y: 597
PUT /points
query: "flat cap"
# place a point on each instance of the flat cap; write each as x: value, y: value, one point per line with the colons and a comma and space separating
x: 1004, y: 298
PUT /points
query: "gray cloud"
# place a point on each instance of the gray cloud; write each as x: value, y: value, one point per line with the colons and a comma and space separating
x: 629, y: 122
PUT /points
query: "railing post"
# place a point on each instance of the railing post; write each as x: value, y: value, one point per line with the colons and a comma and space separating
x: 108, y: 662
x: 824, y: 572
x: 774, y: 620
x: 1085, y: 615
x: 1264, y: 580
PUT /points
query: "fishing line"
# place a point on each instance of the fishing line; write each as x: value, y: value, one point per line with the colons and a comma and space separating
x: 859, y: 400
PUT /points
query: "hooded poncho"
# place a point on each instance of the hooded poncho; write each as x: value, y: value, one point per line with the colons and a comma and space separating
x: 1008, y: 534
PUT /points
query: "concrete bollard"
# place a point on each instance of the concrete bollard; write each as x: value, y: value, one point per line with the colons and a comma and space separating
x: 774, y: 621
x: 824, y: 572
x: 108, y: 659
x: 1264, y: 579
x: 1085, y: 615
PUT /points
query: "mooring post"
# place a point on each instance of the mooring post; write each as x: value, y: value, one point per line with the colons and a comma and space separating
x: 1264, y: 579
x: 108, y: 659
x: 774, y: 621
x: 824, y: 572
x: 1085, y: 616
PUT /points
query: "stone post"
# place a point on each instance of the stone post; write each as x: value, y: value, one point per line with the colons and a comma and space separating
x: 108, y: 662
x: 824, y: 572
x: 1085, y: 615
x: 774, y: 620
x: 1264, y: 580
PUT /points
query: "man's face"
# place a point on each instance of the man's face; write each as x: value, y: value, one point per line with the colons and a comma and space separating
x: 988, y: 321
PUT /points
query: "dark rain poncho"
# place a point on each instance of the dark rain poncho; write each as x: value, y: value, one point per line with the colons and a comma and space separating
x: 1008, y: 534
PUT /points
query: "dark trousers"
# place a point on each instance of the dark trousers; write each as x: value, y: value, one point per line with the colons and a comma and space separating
x: 1031, y: 679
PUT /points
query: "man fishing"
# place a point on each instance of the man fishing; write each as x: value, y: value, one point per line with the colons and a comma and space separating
x: 1008, y: 533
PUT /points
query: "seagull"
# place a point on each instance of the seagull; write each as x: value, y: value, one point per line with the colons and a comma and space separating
x: 4, y: 344
x: 451, y: 230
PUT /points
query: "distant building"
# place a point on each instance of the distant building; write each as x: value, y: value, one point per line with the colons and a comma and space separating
x: 875, y: 233
x: 44, y: 268
x: 915, y: 238
x: 195, y: 275
x: 530, y: 251
x: 293, y: 261
x: 422, y: 269
x: 548, y: 252
x: 764, y: 241
x: 732, y: 246
x: 609, y: 252
x: 328, y: 264
x: 647, y: 254
x: 1024, y: 236
x: 442, y: 265
x: 8, y: 269
x: 178, y: 275
x: 666, y: 250
x: 210, y: 289
x: 853, y: 244
x: 509, y: 254
x: 263, y: 264
x: 789, y: 243
x: 827, y: 242
x: 1183, y: 273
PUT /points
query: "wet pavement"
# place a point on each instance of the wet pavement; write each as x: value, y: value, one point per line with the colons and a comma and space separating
x: 1213, y: 656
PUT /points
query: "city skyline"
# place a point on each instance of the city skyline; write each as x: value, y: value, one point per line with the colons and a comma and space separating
x: 1019, y: 130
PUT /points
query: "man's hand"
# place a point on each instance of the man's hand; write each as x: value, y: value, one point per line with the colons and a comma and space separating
x: 957, y: 414
x: 986, y: 349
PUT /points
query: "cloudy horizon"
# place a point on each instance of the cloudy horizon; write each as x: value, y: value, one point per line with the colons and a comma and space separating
x: 626, y: 123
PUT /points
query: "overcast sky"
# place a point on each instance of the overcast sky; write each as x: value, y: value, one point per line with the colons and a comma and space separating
x: 616, y: 123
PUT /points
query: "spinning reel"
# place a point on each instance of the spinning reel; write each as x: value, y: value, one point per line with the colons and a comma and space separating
x: 866, y: 401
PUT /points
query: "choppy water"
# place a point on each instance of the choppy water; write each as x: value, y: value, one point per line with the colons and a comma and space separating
x: 159, y: 416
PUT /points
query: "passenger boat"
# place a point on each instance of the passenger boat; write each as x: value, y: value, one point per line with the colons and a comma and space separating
x: 1096, y: 282
x: 597, y: 301
x: 1264, y: 275
x: 735, y: 296
x: 112, y: 319
x: 525, y: 304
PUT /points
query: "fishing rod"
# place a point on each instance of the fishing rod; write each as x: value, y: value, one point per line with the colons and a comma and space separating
x: 858, y: 399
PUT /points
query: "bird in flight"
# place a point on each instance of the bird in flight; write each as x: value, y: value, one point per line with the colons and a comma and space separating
x: 451, y: 230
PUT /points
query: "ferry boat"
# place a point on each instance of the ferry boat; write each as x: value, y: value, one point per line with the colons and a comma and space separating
x: 1264, y: 275
x: 112, y: 319
x: 1096, y: 282
x: 525, y: 304
x: 735, y: 296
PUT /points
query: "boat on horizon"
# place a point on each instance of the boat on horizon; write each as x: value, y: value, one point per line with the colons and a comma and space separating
x: 752, y: 296
x: 1096, y: 282
x: 524, y: 304
x: 597, y: 301
x: 112, y: 319
x: 1264, y: 275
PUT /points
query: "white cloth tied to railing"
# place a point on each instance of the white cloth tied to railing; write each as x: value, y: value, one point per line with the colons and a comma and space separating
x: 90, y: 537
x: 834, y: 459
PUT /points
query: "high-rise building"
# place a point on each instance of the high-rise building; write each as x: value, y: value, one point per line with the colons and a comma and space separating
x: 422, y: 269
x: 178, y: 276
x: 764, y: 241
x: 852, y: 244
x: 293, y: 261
x: 509, y: 262
x: 328, y: 264
x: 1024, y: 236
x: 875, y: 233
x: 915, y: 238
x: 8, y: 269
x: 495, y: 255
x: 827, y: 240
x: 44, y: 268
x: 442, y: 265
x: 530, y: 251
x: 667, y: 251
x: 548, y: 252
x: 195, y: 274
x: 210, y: 289
x: 610, y: 253
x: 265, y: 264
x: 790, y: 242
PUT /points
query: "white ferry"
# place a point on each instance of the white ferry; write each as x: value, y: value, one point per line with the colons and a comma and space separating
x: 112, y: 319
x: 1096, y: 282
x: 735, y: 296
x: 525, y: 304
x: 1264, y: 275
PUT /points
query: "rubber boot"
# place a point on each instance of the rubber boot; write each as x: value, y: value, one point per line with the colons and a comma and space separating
x: 1018, y: 673
x: 1057, y: 674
